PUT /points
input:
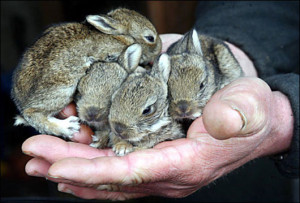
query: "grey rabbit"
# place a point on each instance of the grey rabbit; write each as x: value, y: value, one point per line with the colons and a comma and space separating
x: 139, y: 115
x: 92, y: 96
x: 48, y: 74
x: 95, y: 89
x: 123, y: 21
x: 200, y: 65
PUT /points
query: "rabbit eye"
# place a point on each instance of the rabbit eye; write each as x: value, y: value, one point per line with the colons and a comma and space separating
x: 150, y: 38
x: 201, y: 85
x: 111, y: 58
x: 149, y: 110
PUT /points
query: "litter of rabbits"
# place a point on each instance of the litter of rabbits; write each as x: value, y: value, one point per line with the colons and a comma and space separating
x: 100, y: 64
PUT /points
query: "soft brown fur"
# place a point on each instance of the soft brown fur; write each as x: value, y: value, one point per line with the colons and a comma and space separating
x: 96, y: 88
x: 139, y: 112
x: 48, y: 73
x: 128, y: 22
x: 200, y: 65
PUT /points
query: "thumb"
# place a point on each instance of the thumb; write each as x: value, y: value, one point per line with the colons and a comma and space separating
x: 239, y: 109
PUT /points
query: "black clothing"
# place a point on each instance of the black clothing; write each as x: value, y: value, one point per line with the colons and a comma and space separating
x: 268, y: 32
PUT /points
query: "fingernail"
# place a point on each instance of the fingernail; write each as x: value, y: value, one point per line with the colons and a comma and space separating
x: 104, y: 187
x: 64, y: 188
x: 113, y: 188
x: 54, y: 177
x: 229, y: 101
x: 59, y: 179
x: 62, y: 114
x: 243, y: 117
x: 36, y: 174
x: 28, y: 153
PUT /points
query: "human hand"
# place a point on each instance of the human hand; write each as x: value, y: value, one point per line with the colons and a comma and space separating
x: 85, y: 132
x: 176, y: 168
x: 168, y: 39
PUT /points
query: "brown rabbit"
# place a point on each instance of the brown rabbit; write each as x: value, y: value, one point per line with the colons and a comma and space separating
x: 95, y: 89
x: 200, y: 65
x: 47, y: 75
x: 139, y: 115
x: 123, y: 21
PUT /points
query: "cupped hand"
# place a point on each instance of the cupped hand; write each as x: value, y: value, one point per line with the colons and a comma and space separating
x: 244, y: 116
x: 241, y: 122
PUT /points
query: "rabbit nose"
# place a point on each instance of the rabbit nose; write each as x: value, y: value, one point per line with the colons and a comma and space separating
x: 183, y: 109
x: 119, y: 128
x: 92, y: 113
x: 183, y: 106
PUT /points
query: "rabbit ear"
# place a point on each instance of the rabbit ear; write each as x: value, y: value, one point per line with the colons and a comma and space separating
x: 227, y: 64
x: 194, y: 45
x: 105, y: 24
x: 178, y: 47
x: 162, y: 67
x: 189, y: 43
x: 130, y: 58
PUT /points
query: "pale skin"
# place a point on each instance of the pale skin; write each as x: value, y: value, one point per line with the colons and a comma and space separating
x: 243, y: 121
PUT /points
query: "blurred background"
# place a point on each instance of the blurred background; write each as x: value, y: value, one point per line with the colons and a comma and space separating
x: 21, y: 24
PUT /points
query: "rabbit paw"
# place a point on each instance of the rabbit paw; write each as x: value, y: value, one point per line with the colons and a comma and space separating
x: 99, y: 141
x: 95, y: 141
x: 68, y: 126
x: 88, y: 61
x: 71, y: 126
x: 122, y: 148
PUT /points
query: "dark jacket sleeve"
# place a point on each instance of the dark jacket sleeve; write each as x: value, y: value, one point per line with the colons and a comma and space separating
x: 268, y: 32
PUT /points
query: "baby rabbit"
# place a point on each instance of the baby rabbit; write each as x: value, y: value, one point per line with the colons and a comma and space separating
x: 94, y: 93
x: 95, y: 89
x: 47, y: 76
x: 123, y: 21
x: 201, y: 65
x: 139, y: 115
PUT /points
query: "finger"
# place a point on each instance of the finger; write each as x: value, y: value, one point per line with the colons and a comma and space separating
x: 197, y: 126
x: 37, y: 167
x: 85, y: 133
x: 198, y: 132
x: 168, y: 39
x: 239, y: 109
x: 69, y: 110
x: 98, y: 171
x: 172, y: 143
x: 133, y: 169
x: 52, y: 149
x: 90, y: 193
x: 127, y: 192
x: 164, y: 188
